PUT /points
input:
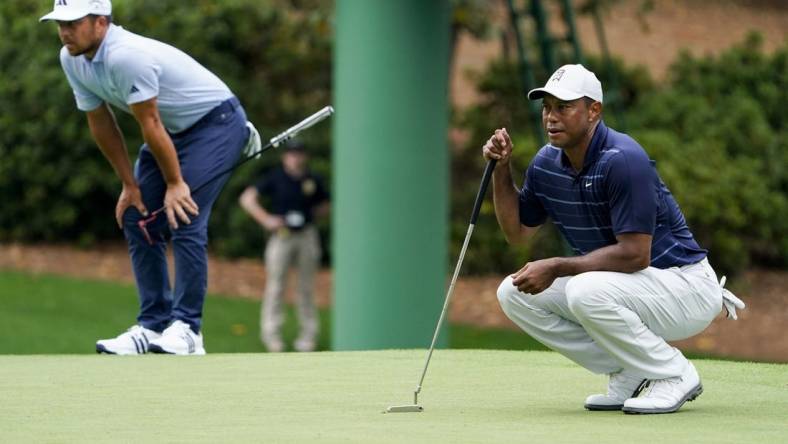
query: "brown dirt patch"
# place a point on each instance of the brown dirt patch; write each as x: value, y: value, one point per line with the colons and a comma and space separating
x: 757, y: 335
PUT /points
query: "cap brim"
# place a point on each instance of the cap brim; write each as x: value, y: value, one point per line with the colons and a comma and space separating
x: 64, y: 16
x: 560, y: 93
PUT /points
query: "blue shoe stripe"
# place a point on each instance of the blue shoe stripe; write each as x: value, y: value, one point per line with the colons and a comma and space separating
x: 189, y: 342
x: 137, y: 345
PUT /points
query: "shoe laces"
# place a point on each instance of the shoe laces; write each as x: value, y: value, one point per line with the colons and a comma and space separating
x: 656, y: 387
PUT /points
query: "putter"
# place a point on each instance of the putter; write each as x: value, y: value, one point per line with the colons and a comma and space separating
x: 273, y: 143
x: 415, y: 407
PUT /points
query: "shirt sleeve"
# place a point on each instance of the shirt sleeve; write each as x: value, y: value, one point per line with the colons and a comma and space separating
x: 532, y: 213
x: 136, y: 76
x: 631, y: 186
x: 86, y: 100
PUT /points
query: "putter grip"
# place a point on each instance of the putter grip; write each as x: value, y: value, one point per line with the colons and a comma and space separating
x: 482, y: 190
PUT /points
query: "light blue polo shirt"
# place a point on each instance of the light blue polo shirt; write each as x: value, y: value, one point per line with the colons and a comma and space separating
x: 129, y: 68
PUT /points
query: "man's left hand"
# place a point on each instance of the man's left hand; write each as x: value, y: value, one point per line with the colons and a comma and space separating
x: 535, y: 276
x: 178, y: 202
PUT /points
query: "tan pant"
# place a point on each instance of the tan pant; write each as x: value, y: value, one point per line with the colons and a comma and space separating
x: 286, y: 248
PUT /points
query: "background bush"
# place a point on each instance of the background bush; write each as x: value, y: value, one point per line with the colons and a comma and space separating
x: 716, y: 127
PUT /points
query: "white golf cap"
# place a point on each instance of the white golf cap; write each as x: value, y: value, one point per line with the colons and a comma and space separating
x: 68, y: 10
x: 570, y: 82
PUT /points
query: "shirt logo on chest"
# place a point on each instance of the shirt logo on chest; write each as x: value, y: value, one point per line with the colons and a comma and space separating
x: 588, y: 184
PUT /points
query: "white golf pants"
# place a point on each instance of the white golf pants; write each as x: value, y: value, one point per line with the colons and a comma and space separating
x: 608, y: 321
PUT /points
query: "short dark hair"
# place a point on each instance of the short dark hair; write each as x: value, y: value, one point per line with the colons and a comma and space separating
x: 95, y: 16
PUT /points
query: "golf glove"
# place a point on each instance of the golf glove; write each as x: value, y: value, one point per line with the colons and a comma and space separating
x: 730, y: 301
x: 253, y: 145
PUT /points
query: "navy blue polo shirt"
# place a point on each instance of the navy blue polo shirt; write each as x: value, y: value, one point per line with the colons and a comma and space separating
x: 293, y: 198
x: 617, y: 191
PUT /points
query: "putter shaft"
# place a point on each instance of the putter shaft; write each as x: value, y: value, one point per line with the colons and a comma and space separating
x: 474, y: 216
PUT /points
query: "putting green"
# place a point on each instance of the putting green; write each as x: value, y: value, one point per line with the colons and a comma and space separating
x: 469, y: 396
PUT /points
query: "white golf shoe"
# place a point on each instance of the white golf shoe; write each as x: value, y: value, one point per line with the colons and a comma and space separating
x: 134, y: 341
x: 178, y: 339
x: 666, y: 395
x: 620, y: 387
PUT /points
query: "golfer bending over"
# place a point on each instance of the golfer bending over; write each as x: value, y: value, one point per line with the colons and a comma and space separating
x: 638, y: 279
x: 193, y: 127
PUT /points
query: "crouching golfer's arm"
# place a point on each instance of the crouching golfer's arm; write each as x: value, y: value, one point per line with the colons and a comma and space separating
x: 177, y: 199
x: 107, y: 135
x: 505, y: 193
x: 630, y: 253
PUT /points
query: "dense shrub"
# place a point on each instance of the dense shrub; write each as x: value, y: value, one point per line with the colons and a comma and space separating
x: 716, y: 128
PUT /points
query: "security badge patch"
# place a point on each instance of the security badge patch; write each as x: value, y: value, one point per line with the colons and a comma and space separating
x: 308, y: 187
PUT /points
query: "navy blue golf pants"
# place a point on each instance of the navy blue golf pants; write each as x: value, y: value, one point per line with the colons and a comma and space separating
x: 211, y: 145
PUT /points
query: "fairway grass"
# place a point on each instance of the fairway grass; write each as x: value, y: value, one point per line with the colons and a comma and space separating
x: 44, y: 314
x: 469, y: 396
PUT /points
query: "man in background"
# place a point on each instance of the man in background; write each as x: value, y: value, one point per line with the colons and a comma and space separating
x: 296, y: 197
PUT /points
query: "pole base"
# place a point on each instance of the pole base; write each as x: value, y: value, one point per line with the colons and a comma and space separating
x: 412, y: 408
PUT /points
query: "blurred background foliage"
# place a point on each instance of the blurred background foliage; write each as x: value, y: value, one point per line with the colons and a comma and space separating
x: 716, y: 127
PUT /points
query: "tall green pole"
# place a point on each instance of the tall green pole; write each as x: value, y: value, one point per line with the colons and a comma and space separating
x: 390, y: 169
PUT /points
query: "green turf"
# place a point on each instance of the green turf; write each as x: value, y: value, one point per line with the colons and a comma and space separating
x: 52, y: 314
x: 469, y: 396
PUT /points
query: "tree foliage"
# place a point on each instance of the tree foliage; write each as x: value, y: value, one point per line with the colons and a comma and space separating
x: 716, y: 128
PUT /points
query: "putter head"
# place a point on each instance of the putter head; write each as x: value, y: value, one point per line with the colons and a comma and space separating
x: 412, y: 408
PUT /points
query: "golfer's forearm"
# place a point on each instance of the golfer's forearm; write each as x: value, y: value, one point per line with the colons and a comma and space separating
x: 163, y: 150
x: 248, y: 202
x: 159, y: 142
x: 611, y: 258
x: 109, y: 139
x: 505, y: 197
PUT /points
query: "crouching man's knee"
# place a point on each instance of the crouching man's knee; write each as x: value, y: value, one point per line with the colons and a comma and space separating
x: 506, y: 294
x: 587, y: 291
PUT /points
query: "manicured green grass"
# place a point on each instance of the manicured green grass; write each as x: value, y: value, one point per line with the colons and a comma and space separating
x: 52, y: 315
x: 468, y: 396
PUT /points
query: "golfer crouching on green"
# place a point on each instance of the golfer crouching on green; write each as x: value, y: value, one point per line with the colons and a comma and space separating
x: 638, y: 277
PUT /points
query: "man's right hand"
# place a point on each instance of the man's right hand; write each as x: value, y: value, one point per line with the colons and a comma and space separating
x: 499, y: 147
x: 129, y: 197
x: 273, y: 223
